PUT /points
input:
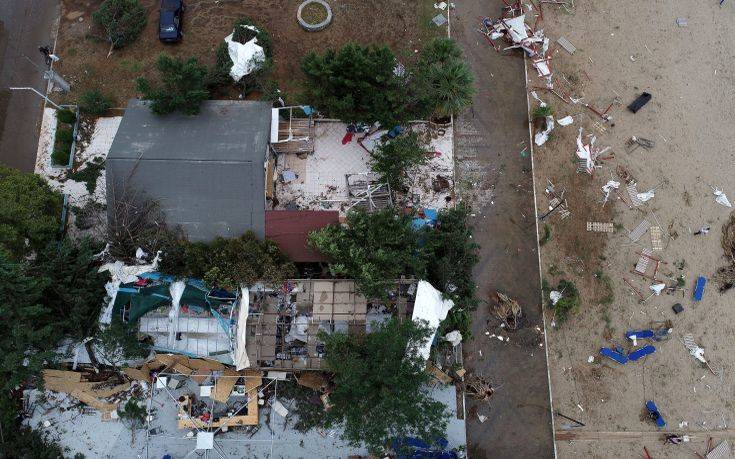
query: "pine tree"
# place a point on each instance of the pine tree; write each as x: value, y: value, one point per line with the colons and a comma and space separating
x: 184, y: 86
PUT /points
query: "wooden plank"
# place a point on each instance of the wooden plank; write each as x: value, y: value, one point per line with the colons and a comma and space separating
x: 438, y: 374
x: 137, y: 374
x: 566, y: 44
x: 110, y: 391
x: 183, y: 369
x: 588, y: 435
x: 91, y: 400
x: 224, y: 385
x: 62, y: 374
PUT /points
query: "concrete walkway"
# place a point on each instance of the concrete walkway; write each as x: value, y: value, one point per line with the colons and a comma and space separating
x: 494, y: 174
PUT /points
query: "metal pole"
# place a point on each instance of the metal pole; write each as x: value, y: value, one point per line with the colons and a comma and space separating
x: 42, y: 95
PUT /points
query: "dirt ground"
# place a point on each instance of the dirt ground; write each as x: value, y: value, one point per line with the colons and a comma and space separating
x: 625, y: 47
x: 86, y: 66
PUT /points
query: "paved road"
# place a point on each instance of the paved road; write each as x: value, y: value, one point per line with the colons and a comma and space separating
x: 496, y: 175
x: 24, y: 26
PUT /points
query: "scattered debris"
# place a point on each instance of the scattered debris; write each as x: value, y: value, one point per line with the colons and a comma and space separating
x: 598, y: 227
x: 567, y: 45
x: 477, y: 387
x: 635, y: 142
x: 566, y: 121
x: 639, y: 102
x: 721, y: 197
x: 677, y: 308
x: 508, y: 311
x: 681, y: 22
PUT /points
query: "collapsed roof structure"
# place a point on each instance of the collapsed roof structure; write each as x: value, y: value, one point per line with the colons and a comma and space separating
x: 264, y: 328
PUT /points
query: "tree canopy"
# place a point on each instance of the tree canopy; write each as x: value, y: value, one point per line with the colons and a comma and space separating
x: 381, y: 389
x: 229, y: 262
x: 183, y: 86
x: 29, y: 211
x: 443, y: 81
x: 356, y: 84
x: 122, y: 21
x: 377, y: 248
x: 374, y: 249
x: 395, y: 158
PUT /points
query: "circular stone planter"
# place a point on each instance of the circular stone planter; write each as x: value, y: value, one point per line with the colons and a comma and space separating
x: 309, y: 27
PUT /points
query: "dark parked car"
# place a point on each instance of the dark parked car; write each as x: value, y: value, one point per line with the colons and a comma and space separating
x: 169, y: 20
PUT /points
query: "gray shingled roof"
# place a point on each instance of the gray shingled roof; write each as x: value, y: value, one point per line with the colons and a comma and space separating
x: 206, y: 171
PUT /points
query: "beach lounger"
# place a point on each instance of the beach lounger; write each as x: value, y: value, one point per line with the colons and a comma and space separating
x: 699, y: 288
x: 614, y: 355
x: 655, y: 414
x: 642, y: 352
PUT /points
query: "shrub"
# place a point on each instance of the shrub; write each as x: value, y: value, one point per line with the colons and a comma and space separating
x: 121, y: 20
x: 547, y: 235
x: 183, y: 86
x: 542, y: 111
x: 94, y: 102
x: 66, y: 116
x: 569, y: 302
x: 65, y: 135
x: 394, y: 158
x: 60, y: 156
x: 89, y: 174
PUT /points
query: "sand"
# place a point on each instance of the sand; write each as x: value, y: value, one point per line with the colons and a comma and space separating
x: 623, y: 48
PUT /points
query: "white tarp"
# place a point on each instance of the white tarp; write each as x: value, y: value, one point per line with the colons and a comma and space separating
x: 245, y: 57
x: 721, y: 197
x: 431, y: 308
x: 177, y: 291
x: 542, y: 136
x: 241, y: 353
x: 122, y: 274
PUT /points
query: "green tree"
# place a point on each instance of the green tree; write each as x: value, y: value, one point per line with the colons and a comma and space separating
x: 94, y: 102
x: 229, y: 262
x: 27, y: 336
x: 74, y: 291
x: 30, y: 212
x: 219, y: 74
x: 133, y: 415
x: 451, y: 254
x: 443, y: 81
x: 121, y: 20
x: 374, y: 249
x: 395, y: 158
x: 116, y: 343
x: 183, y: 86
x: 20, y: 441
x: 381, y: 389
x: 356, y: 84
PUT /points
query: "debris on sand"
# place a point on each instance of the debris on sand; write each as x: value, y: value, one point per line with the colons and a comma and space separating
x: 509, y: 311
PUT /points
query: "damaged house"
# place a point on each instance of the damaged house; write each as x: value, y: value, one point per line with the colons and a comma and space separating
x: 264, y: 328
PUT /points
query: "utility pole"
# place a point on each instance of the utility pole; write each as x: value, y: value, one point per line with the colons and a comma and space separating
x: 40, y: 94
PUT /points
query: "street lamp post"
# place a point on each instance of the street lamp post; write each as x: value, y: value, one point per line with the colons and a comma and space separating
x: 34, y: 90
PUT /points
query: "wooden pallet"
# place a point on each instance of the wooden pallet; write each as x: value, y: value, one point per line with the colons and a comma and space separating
x: 656, y: 238
x: 599, y: 227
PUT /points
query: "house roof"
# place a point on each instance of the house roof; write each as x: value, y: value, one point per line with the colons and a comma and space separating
x: 205, y: 171
x: 290, y: 230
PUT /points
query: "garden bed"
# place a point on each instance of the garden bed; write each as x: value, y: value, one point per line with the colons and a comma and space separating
x: 65, y: 138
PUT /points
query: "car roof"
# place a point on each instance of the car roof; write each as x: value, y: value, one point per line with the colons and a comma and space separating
x: 171, y: 4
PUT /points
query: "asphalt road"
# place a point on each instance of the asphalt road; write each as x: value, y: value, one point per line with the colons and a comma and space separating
x: 24, y: 26
x: 491, y: 148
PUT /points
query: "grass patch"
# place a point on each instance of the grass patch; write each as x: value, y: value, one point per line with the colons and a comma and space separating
x: 555, y: 271
x: 609, y: 294
x: 89, y: 174
x: 546, y: 236
x: 131, y: 66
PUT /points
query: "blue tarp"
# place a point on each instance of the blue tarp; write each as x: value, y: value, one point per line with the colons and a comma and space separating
x: 614, y: 355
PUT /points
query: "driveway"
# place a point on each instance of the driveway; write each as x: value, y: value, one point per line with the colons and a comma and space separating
x: 494, y: 173
x: 24, y: 26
